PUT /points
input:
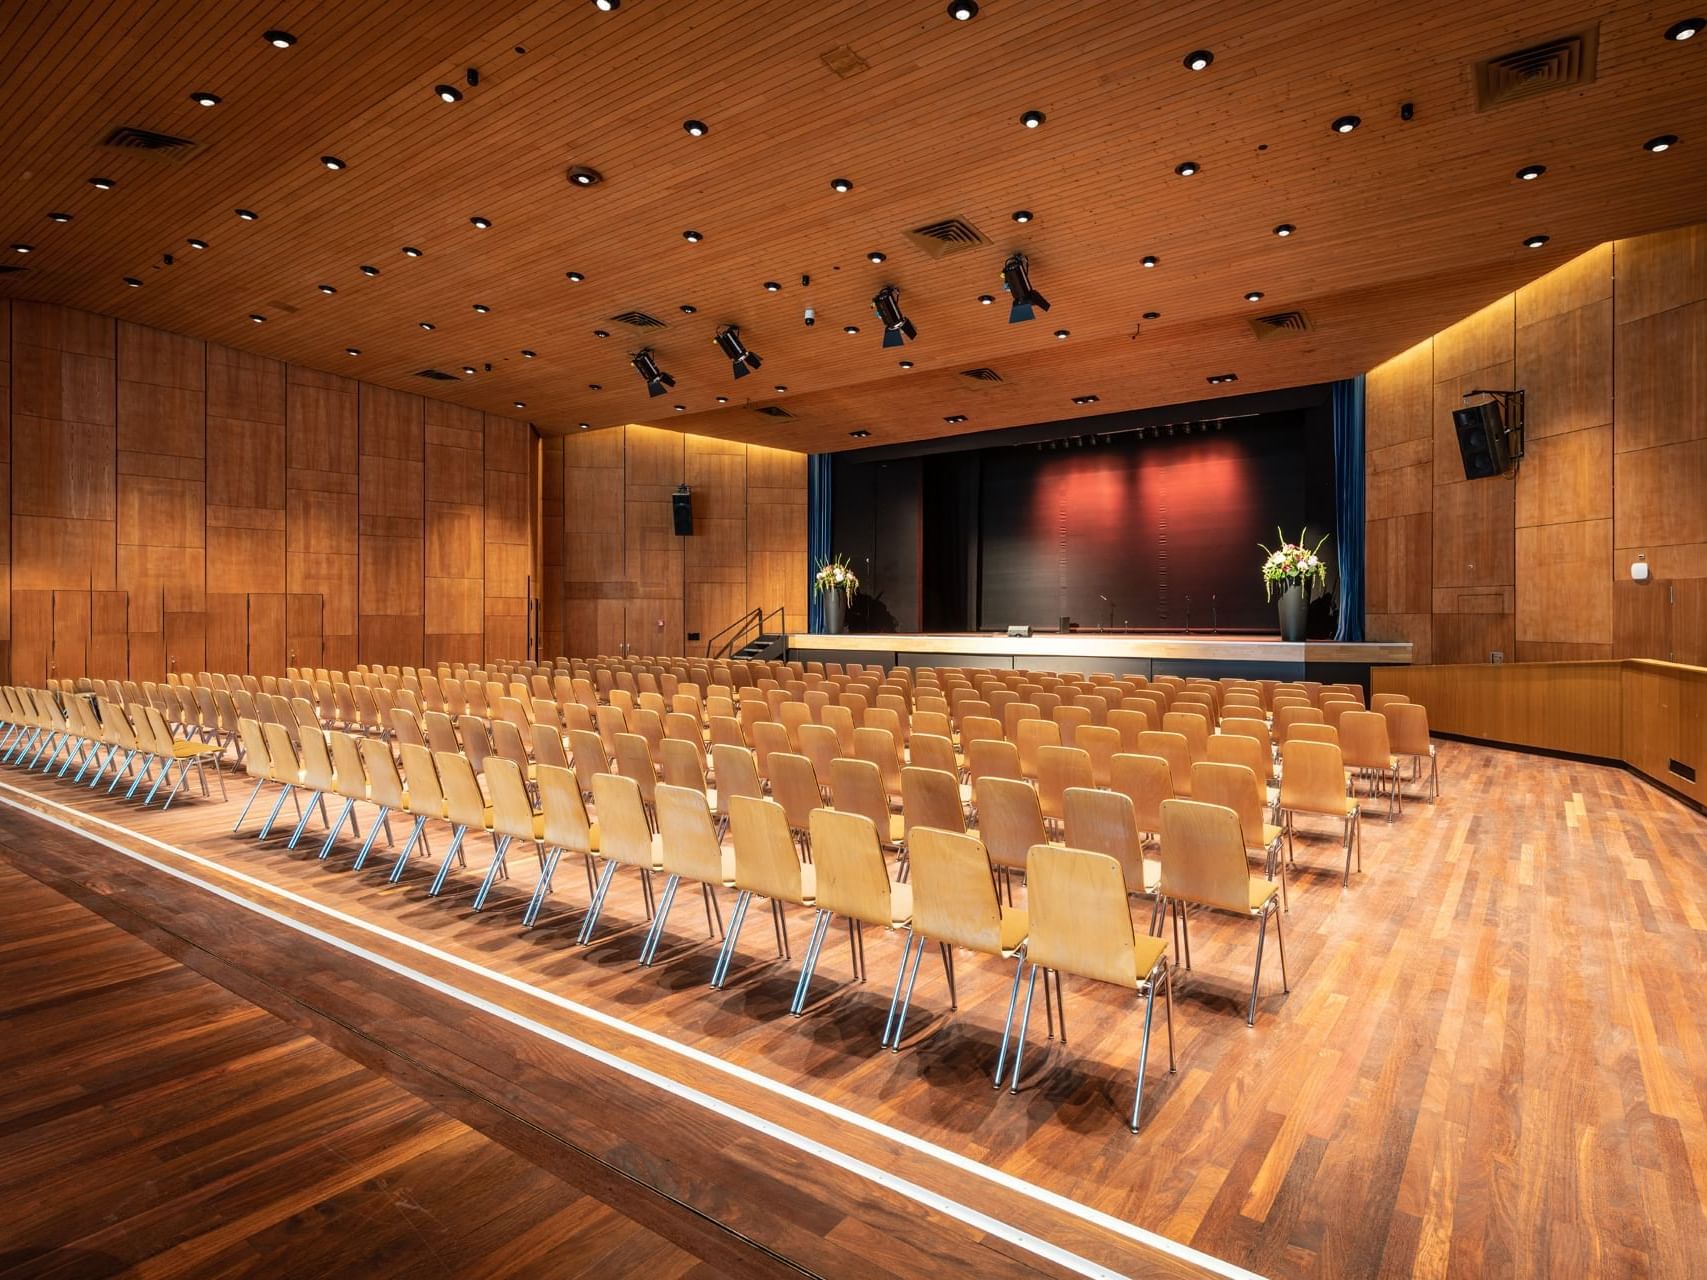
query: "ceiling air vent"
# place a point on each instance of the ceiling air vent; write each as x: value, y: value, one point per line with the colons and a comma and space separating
x: 982, y: 375
x: 1283, y: 324
x: 437, y: 375
x: 844, y: 61
x: 774, y: 411
x: 946, y: 236
x: 145, y: 140
x: 1543, y: 68
x: 639, y: 319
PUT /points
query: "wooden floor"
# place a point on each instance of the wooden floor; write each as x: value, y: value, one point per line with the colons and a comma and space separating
x: 153, y: 1121
x: 1492, y: 1059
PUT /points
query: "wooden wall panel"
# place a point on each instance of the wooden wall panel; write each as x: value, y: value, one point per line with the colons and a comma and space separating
x: 552, y: 532
x: 391, y: 516
x: 509, y: 495
x: 455, y: 516
x: 322, y: 430
x: 5, y: 486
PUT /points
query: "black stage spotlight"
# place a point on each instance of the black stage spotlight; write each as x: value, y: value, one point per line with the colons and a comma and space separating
x: 896, y: 327
x: 646, y: 365
x: 729, y: 343
x: 1026, y: 299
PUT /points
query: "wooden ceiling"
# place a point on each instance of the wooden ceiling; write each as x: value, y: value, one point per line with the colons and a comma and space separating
x: 1403, y: 226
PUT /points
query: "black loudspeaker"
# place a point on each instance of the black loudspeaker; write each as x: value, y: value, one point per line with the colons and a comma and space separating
x: 681, y: 508
x: 1482, y: 439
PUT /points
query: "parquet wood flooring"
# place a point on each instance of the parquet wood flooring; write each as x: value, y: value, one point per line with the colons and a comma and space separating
x: 1490, y: 1061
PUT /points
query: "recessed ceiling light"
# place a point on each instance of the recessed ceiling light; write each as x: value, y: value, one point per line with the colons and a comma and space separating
x: 410, y: 251
x: 679, y: 408
x: 985, y: 299
x: 771, y: 286
x: 257, y: 317
x: 279, y: 39
x: 1031, y: 119
x: 1151, y: 260
x: 594, y: 386
x: 482, y: 223
x: 1255, y: 295
x: 369, y: 270
x: 481, y: 308
x: 1530, y: 172
x: 692, y: 237
x: 1345, y: 124
x: 1198, y: 59
x: 780, y: 388
x: 601, y: 333
x: 469, y: 370
x: 59, y: 217
x: 1187, y: 169
x: 963, y: 10
x: 1022, y: 215
x: 1218, y: 378
x: 528, y: 355
x: 696, y: 128
x: 841, y: 184
x: 1665, y: 142
x: 248, y: 215
x: 1535, y: 242
x: 955, y: 417
x: 133, y: 282
x: 722, y: 399
x: 850, y: 328
x: 197, y: 244
x: 606, y: 6
x: 688, y: 308
x: 860, y: 434
x: 326, y: 288
x: 23, y: 248
x: 352, y: 351
x: 102, y: 184
x: 1688, y: 29
x: 1063, y: 333
x: 333, y: 163
x: 906, y: 364
x: 1284, y: 229
x: 574, y: 277
x: 205, y: 99
x: 1152, y: 315
x: 448, y: 92
x: 581, y: 176
x: 521, y: 404
x: 428, y: 324
x: 875, y: 256
x: 1084, y: 399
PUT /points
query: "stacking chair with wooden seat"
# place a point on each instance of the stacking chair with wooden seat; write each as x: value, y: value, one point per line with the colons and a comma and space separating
x: 1194, y: 728
x: 1079, y: 923
x: 1106, y: 822
x: 1407, y: 733
x: 513, y: 818
x: 1030, y: 736
x: 856, y: 786
x: 384, y: 789
x: 1101, y: 743
x: 1290, y: 714
x: 766, y: 866
x: 1058, y: 769
x: 853, y: 882
x: 1010, y: 821
x: 930, y: 751
x: 465, y: 807
x: 1380, y: 700
x: 1237, y: 787
x: 688, y: 849
x: 1312, y: 781
x: 1173, y: 748
x: 317, y: 779
x: 625, y: 839
x: 186, y: 753
x: 566, y: 830
x: 1367, y: 752
x: 1145, y: 780
x: 287, y: 770
x: 795, y: 786
x: 350, y: 782
x: 734, y: 773
x: 929, y: 798
x: 1203, y: 865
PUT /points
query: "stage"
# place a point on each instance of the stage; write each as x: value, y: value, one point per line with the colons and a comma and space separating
x: 1120, y: 653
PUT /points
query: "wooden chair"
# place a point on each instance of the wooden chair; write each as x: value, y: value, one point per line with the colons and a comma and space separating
x: 1147, y: 781
x: 1106, y: 822
x: 1101, y: 743
x: 1030, y: 735
x: 1010, y: 821
x: 853, y: 882
x: 1173, y: 748
x: 625, y: 839
x: 1194, y: 728
x: 1367, y: 752
x: 688, y: 849
x: 766, y: 866
x: 565, y: 830
x: 426, y: 800
x: 513, y: 818
x: 465, y: 807
x: 856, y: 786
x: 1407, y: 732
x: 1312, y: 781
x: 1059, y: 768
x: 1237, y: 787
x: 795, y: 786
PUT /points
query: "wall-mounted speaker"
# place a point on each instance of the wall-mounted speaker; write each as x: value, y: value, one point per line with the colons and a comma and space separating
x: 1482, y: 439
x: 681, y: 510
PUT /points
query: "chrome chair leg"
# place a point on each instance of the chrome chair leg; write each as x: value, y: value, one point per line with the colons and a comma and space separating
x: 267, y: 826
x: 1143, y: 1050
x: 1256, y: 977
x: 1007, y: 1027
x: 666, y: 900
x: 598, y: 903
x: 383, y: 819
x: 396, y: 873
x: 1025, y: 1021
x: 552, y: 856
x: 444, y: 864
x: 332, y: 835
x: 820, y: 927
x: 720, y: 971
x: 894, y: 999
x: 499, y: 849
x: 307, y: 813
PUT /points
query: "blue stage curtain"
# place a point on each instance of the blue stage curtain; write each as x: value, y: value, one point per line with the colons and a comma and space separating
x: 1348, y: 503
x: 819, y: 469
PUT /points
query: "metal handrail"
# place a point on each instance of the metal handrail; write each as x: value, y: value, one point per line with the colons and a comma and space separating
x: 753, y: 619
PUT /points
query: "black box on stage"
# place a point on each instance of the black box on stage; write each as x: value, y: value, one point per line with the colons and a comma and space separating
x: 681, y: 509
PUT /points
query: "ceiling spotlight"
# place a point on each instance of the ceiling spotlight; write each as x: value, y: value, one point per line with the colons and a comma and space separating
x: 841, y: 184
x: 1152, y: 315
x: 279, y: 39
x: 1530, y: 172
x: 1284, y: 229
x: 679, y: 408
x: 1218, y: 378
x: 1255, y: 295
x: 722, y: 399
x: 521, y: 404
x: 352, y: 351
x: 205, y: 99
x: 1031, y: 119
x: 1535, y: 242
x: 574, y: 277
x: 257, y: 318
x: 1665, y: 142
x: 647, y: 367
x: 102, y: 184
x: 1187, y: 169
x: 875, y: 256
x: 581, y: 176
x: 779, y: 388
x: 593, y: 386
x: 771, y: 286
x: 692, y: 237
x: 333, y: 163
x: 326, y: 288
x: 1688, y: 29
x: 428, y: 325
x: 410, y: 251
x: 1022, y: 215
x: 481, y: 223
x: 1198, y: 59
x: 1063, y: 334
x: 906, y: 364
x: 1085, y: 399
x: 729, y: 342
x: 1345, y: 124
x: 897, y: 329
x: 481, y: 308
x: 469, y: 370
x: 1026, y: 300
x: 585, y: 425
x: 695, y: 128
x: 248, y: 215
x: 197, y: 244
x: 850, y: 328
x: 985, y: 299
x: 861, y: 434
x: 369, y: 270
x: 133, y: 282
x: 448, y: 92
x: 955, y: 418
x: 601, y: 333
x: 23, y: 248
x: 607, y: 6
x: 688, y: 308
x: 528, y: 355
x: 1150, y: 260
x: 963, y: 10
x: 59, y: 217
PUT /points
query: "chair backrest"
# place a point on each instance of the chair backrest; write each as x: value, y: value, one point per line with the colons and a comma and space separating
x: 385, y: 785
x: 688, y: 845
x: 624, y: 834
x: 512, y: 811
x: 347, y: 768
x: 1030, y: 735
x: 316, y: 761
x: 1407, y: 728
x: 548, y: 744
x: 794, y: 785
x: 1253, y: 727
x: 1203, y: 856
x: 421, y: 775
x: 634, y: 761
x: 1105, y: 822
x: 991, y: 758
x: 684, y: 765
x: 1068, y: 719
x: 257, y: 760
x: 1173, y: 748
x: 465, y: 803
x: 954, y: 892
x: 565, y: 814
x: 1312, y: 777
x: 1101, y: 743
x: 931, y: 798
x: 1364, y: 741
x: 1009, y: 819
x: 1381, y: 700
x: 856, y: 786
x: 1059, y: 768
x: 1237, y: 748
x: 1193, y: 728
x: 767, y: 737
x: 1147, y: 781
x: 1306, y: 731
x: 931, y: 751
x: 1292, y: 713
x: 588, y: 756
x: 765, y: 860
x: 1078, y: 920
x: 935, y: 723
x: 737, y: 774
x: 1236, y: 787
x: 883, y: 749
x: 852, y: 877
x: 1130, y: 723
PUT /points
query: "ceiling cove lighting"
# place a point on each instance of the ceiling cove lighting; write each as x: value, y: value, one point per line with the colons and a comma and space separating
x: 1530, y: 172
x: 410, y: 251
x: 646, y: 365
x: 1535, y: 242
x: 1198, y: 60
x: 1151, y: 260
x: 59, y: 217
x: 448, y: 93
x: 480, y: 223
x: 692, y: 237
x: 897, y: 329
x: 1688, y: 29
x: 1188, y: 168
x: 695, y: 128
x: 197, y: 244
x: 205, y: 99
x: 1345, y: 124
x: 1284, y: 229
x: 333, y: 163
x: 962, y: 11
x: 841, y: 184
x: 279, y: 39
x: 1026, y: 300
x: 248, y: 215
x: 1665, y: 142
x: 1031, y: 119
x: 133, y: 282
x: 102, y: 184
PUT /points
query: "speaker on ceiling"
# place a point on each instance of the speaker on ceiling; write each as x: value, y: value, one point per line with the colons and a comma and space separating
x: 681, y: 509
x: 1482, y: 441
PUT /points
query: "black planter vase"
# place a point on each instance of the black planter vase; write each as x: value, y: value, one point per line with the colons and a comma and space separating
x: 835, y: 612
x: 1294, y: 609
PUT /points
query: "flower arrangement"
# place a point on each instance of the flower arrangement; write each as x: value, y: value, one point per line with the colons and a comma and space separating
x: 1292, y: 564
x: 835, y: 575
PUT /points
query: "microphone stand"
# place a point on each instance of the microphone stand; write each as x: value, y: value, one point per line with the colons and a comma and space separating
x: 1188, y: 615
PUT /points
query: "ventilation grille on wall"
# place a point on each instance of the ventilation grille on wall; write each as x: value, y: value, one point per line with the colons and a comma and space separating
x: 1283, y: 324
x: 946, y: 236
x: 982, y: 375
x: 844, y: 61
x: 145, y: 140
x: 639, y: 319
x: 773, y: 411
x: 1544, y: 68
x: 437, y: 375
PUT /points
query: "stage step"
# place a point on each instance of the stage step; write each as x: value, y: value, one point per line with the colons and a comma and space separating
x: 763, y: 649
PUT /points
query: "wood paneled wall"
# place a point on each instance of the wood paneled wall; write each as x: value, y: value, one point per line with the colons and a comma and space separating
x: 174, y: 504
x: 1611, y: 349
x: 628, y: 580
